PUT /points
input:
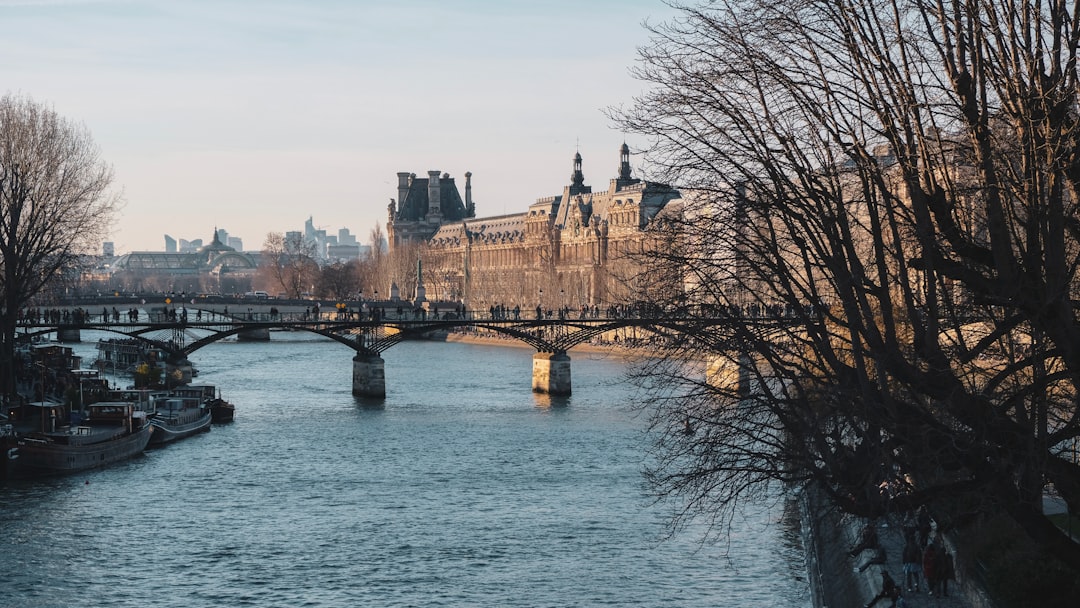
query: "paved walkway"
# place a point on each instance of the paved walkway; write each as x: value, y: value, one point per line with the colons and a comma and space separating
x: 891, y: 539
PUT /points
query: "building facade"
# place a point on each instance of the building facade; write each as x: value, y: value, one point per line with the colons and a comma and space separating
x: 570, y: 250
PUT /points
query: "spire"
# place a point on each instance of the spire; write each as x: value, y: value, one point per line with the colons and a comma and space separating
x: 624, y: 162
x: 577, y: 178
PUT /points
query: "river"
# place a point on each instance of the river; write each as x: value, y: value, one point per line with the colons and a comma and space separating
x: 462, y: 488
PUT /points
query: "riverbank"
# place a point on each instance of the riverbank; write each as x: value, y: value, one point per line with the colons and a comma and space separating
x: 840, y: 580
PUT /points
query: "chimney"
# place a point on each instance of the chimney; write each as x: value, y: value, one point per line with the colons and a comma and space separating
x: 434, y: 193
x: 402, y: 188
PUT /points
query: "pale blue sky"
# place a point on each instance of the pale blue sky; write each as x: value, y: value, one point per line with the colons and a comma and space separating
x: 252, y: 115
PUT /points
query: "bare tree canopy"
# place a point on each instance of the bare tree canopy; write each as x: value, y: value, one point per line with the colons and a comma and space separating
x: 883, y: 196
x: 55, y: 204
x: 289, y: 263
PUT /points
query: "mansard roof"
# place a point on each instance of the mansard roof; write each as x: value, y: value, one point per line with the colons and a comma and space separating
x: 414, y: 206
x: 502, y: 228
x: 651, y: 196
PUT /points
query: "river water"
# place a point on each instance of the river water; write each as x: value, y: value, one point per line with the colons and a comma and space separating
x: 462, y: 488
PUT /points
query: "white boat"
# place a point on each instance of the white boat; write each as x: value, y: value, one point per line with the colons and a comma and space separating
x: 177, y: 417
x: 220, y: 409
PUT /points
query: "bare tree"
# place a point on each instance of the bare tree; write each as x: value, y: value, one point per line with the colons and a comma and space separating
x: 55, y: 204
x: 290, y: 263
x: 883, y: 197
x: 340, y: 280
x: 377, y: 273
x: 400, y: 265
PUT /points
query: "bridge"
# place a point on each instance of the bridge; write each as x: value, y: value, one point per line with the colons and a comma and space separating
x: 374, y: 332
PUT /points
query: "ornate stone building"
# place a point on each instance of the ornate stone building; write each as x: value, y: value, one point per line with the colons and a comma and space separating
x: 571, y: 249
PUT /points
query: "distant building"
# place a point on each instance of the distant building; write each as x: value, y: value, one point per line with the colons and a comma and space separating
x: 342, y: 253
x: 191, y: 246
x: 170, y: 244
x: 568, y: 250
x: 214, y: 268
x: 108, y: 249
x: 345, y: 238
x: 316, y: 238
x: 424, y: 205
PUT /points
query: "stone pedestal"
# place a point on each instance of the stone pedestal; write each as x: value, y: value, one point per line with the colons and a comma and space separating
x: 368, y: 376
x: 551, y: 373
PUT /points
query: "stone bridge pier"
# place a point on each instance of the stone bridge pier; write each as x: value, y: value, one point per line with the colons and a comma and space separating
x: 368, y: 376
x: 551, y: 373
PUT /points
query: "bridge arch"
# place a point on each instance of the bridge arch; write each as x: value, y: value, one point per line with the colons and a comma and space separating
x: 551, y: 338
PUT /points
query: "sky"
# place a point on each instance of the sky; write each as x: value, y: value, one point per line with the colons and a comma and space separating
x: 252, y: 115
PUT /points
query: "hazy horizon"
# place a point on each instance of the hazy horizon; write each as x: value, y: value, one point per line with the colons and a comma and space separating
x: 252, y: 116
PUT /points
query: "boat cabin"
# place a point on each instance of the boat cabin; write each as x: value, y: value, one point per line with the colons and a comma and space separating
x: 110, y: 411
x: 202, y: 392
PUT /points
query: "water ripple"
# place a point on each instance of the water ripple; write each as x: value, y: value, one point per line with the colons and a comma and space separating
x: 458, y: 490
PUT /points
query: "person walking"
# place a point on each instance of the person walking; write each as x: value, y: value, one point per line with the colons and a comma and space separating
x: 943, y: 566
x: 912, y: 558
x: 922, y: 521
x: 930, y: 566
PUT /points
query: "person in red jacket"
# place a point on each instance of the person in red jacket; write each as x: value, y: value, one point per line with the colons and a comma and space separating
x: 929, y: 566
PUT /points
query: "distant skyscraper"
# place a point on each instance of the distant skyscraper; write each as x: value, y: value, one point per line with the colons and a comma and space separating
x: 345, y: 238
x: 108, y: 249
x: 190, y: 246
x: 236, y: 243
x: 170, y: 244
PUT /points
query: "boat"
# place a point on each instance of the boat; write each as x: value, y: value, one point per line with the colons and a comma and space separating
x: 127, y: 356
x: 176, y: 417
x: 220, y: 409
x: 111, y: 431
